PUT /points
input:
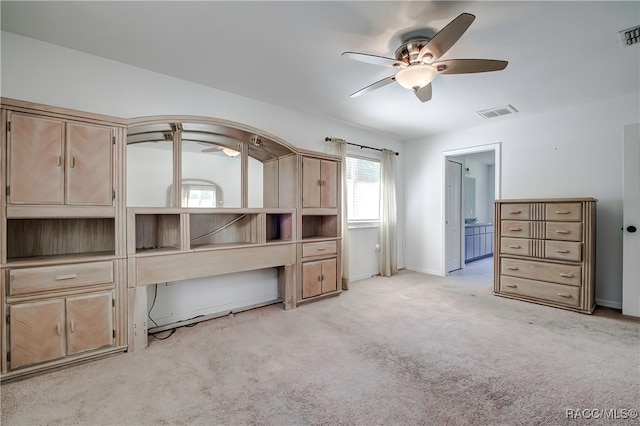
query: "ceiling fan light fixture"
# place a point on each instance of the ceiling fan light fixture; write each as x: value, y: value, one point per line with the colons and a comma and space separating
x: 230, y: 152
x: 416, y: 76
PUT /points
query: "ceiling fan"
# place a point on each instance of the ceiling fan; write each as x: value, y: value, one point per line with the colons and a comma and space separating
x: 417, y: 60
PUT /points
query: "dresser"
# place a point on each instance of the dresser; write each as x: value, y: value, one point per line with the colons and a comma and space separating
x: 545, y: 251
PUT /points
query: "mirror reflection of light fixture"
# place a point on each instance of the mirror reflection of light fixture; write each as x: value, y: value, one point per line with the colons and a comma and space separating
x: 416, y: 76
x: 230, y: 152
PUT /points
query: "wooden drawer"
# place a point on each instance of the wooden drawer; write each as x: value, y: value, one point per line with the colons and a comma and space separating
x: 565, y: 231
x: 563, y: 211
x: 319, y: 248
x: 563, y: 250
x: 519, y: 246
x: 32, y: 280
x: 515, y: 211
x: 556, y: 293
x: 515, y: 228
x: 543, y: 271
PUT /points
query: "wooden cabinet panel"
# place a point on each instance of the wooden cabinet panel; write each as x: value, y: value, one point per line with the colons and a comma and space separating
x: 319, y: 248
x: 36, y: 163
x: 319, y: 277
x: 89, y: 322
x: 89, y: 165
x: 311, y: 279
x: 310, y: 182
x: 329, y: 275
x: 319, y: 183
x: 328, y: 184
x: 37, y: 332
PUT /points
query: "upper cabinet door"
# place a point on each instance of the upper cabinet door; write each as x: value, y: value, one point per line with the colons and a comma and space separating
x: 36, y: 163
x: 319, y: 183
x: 328, y: 184
x: 89, y: 165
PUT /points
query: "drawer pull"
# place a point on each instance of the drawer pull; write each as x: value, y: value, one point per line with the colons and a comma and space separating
x: 321, y: 248
x: 562, y: 212
x: 562, y: 251
x: 515, y: 211
x: 514, y: 247
x: 511, y: 285
x: 567, y: 296
x: 66, y: 277
x: 566, y: 275
x: 515, y: 229
x: 562, y: 231
x: 512, y: 268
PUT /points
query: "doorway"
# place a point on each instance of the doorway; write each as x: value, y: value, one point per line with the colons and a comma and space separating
x: 473, y: 241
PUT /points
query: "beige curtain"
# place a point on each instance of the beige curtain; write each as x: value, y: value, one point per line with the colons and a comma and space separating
x: 387, y: 229
x: 339, y: 147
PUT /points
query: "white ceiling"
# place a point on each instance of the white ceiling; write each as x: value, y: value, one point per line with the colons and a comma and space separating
x: 289, y: 53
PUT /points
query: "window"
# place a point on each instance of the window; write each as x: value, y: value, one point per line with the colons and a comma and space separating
x: 363, y: 191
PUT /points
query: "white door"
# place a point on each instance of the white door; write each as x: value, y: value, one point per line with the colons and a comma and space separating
x: 631, y: 222
x: 453, y: 215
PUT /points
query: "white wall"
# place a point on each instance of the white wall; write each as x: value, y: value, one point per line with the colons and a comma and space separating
x: 573, y: 152
x: 40, y: 72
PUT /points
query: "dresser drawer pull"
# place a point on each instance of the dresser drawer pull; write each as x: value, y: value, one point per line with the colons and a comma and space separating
x: 563, y: 212
x: 566, y: 275
x: 511, y: 285
x: 515, y: 229
x: 512, y: 268
x: 515, y: 211
x: 562, y: 251
x: 66, y: 277
x: 568, y: 296
x: 514, y: 247
x: 562, y: 231
x: 321, y: 248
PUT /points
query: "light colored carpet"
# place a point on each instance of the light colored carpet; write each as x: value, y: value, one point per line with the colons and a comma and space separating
x: 408, y: 350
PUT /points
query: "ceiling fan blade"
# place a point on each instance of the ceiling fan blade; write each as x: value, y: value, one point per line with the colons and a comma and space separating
x: 423, y: 93
x: 467, y: 66
x: 374, y: 59
x: 374, y: 86
x: 446, y: 37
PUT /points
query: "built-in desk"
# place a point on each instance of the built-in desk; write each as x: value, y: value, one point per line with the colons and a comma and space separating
x: 174, y: 244
x: 478, y: 241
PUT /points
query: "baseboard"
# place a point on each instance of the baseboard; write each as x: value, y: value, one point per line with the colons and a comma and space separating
x: 360, y: 277
x: 608, y: 303
x: 422, y: 270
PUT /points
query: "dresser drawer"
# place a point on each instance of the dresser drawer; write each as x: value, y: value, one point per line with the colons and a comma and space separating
x: 519, y: 246
x: 515, y: 228
x: 563, y: 250
x: 319, y: 248
x: 33, y: 280
x: 563, y: 211
x: 557, y: 293
x: 565, y: 231
x: 542, y: 271
x: 515, y: 211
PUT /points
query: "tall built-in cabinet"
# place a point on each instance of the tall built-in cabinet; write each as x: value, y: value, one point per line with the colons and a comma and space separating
x: 62, y: 256
x: 76, y: 261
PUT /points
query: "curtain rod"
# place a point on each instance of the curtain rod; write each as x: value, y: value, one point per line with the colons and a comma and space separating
x: 328, y: 139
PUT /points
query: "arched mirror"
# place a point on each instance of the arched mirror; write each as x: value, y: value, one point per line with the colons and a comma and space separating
x: 219, y: 165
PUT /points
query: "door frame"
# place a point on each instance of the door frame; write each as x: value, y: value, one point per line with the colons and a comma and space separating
x: 448, y: 213
x: 497, y: 150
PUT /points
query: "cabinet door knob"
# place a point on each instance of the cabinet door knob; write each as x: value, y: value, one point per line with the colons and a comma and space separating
x: 58, y: 329
x: 73, y: 326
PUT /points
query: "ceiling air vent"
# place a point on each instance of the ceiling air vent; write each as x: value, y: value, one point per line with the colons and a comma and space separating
x: 497, y: 112
x: 630, y: 36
